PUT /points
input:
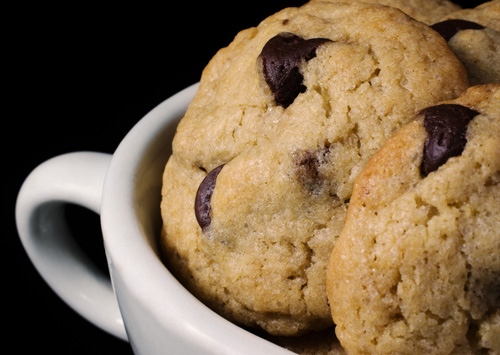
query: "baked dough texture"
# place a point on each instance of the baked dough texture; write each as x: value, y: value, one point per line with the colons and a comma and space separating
x: 270, y: 218
x: 426, y: 11
x: 479, y: 49
x: 486, y: 14
x: 416, y: 269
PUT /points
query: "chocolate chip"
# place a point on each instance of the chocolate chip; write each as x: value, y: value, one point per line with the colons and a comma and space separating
x: 203, y: 195
x: 281, y: 57
x: 449, y: 28
x: 308, y: 168
x: 446, y: 126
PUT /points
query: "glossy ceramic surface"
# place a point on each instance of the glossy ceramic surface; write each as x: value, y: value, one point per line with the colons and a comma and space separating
x: 156, y: 314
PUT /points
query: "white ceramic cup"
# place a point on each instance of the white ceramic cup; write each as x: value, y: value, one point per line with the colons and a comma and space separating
x: 144, y: 304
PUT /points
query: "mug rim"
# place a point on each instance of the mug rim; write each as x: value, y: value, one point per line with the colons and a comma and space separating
x: 120, y: 223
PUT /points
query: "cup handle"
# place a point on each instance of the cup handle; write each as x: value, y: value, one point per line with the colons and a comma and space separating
x: 76, y: 178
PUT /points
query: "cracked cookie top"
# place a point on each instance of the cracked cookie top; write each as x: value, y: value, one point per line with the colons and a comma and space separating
x: 289, y: 113
x: 417, y: 266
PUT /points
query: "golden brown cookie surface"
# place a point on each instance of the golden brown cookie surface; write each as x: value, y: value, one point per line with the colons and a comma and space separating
x: 417, y: 266
x: 474, y: 35
x: 426, y: 11
x: 290, y: 127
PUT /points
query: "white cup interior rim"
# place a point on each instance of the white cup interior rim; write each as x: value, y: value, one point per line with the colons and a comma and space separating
x: 124, y: 238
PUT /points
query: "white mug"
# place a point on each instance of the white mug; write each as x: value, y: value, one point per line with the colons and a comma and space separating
x: 144, y: 303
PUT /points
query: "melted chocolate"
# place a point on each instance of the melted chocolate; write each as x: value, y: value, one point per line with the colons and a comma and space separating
x: 281, y: 57
x: 449, y: 28
x: 308, y: 168
x: 202, y: 206
x: 446, y: 126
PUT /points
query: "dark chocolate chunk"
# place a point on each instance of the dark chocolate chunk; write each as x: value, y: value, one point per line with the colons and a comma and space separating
x: 449, y: 28
x: 446, y: 126
x: 281, y: 57
x: 203, y: 195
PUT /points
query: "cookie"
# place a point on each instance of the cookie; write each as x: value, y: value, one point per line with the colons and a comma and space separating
x: 474, y: 36
x: 426, y: 11
x: 257, y: 188
x: 417, y: 266
x: 486, y: 14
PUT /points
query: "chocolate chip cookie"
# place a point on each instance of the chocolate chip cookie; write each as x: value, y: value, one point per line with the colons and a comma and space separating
x: 417, y: 266
x: 427, y: 11
x: 474, y: 36
x: 264, y: 160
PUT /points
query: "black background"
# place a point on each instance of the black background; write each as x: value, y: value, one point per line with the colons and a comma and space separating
x: 79, y: 77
